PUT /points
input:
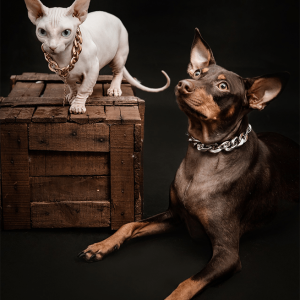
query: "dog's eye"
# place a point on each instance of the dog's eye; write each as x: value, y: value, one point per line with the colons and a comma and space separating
x: 197, y: 73
x: 66, y: 33
x: 42, y: 32
x: 223, y: 86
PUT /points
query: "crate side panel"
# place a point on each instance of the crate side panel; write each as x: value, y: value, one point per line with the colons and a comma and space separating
x: 70, y: 214
x: 122, y: 175
x: 15, y: 176
x: 69, y: 188
x: 69, y: 137
x: 52, y: 163
x: 93, y: 114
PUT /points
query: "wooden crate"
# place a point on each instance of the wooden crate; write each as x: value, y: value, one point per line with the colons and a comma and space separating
x: 65, y: 170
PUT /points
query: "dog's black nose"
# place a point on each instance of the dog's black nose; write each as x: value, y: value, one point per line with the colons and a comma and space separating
x: 185, y: 87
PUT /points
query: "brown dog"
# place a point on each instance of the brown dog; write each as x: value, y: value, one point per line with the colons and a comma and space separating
x: 231, y: 181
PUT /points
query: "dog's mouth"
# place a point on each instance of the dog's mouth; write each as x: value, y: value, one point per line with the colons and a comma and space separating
x: 189, y: 107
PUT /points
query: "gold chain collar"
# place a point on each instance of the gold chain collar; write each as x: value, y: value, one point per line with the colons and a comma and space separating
x: 76, y: 50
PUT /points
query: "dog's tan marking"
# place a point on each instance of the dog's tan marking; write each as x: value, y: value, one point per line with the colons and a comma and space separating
x: 205, y: 70
x: 230, y: 111
x: 204, y: 104
x: 221, y: 76
x: 187, y: 289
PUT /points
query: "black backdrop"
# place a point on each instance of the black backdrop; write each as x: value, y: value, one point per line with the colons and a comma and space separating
x: 248, y: 37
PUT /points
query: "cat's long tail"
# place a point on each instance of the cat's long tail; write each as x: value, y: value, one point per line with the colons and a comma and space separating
x: 135, y: 83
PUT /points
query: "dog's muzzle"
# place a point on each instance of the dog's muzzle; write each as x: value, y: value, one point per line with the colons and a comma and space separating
x: 185, y: 87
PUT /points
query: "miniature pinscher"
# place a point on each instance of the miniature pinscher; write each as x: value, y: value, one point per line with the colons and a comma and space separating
x: 231, y: 178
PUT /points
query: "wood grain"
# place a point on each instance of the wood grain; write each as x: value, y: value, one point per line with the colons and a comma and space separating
x: 26, y: 89
x: 130, y: 115
x: 52, y: 163
x: 70, y: 214
x: 53, y: 114
x: 15, y: 176
x: 113, y: 115
x: 122, y: 175
x: 69, y: 137
x: 16, y: 115
x: 55, y: 90
x: 93, y: 114
x: 69, y: 188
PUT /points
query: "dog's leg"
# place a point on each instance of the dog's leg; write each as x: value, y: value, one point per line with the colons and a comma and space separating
x: 85, y: 89
x: 224, y: 262
x: 158, y: 224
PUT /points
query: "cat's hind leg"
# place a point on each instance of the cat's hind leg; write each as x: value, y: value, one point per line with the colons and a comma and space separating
x: 117, y: 65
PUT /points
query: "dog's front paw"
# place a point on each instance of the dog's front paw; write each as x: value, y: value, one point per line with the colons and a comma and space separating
x: 116, y: 92
x: 77, y: 108
x: 97, y: 251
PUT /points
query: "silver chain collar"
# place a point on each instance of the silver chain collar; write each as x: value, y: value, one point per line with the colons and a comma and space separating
x: 237, y: 141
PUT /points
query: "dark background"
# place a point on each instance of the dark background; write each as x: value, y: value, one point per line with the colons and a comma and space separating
x: 248, y: 37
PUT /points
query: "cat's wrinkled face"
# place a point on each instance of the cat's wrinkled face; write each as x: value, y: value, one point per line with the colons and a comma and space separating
x: 56, y: 30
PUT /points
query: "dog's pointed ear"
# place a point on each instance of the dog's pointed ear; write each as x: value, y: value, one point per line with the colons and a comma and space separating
x: 201, y: 54
x: 36, y: 9
x: 261, y: 90
x: 79, y: 9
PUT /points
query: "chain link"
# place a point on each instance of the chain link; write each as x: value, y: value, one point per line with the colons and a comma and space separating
x: 65, y: 71
x: 227, y: 145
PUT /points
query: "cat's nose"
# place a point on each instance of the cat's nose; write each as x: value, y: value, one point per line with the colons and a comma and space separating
x: 52, y: 48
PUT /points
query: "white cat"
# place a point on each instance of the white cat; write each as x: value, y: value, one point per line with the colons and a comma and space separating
x: 105, y: 41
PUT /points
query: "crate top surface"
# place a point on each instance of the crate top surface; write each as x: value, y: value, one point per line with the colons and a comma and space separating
x: 38, y: 97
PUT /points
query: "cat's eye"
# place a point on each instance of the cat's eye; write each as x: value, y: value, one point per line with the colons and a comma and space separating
x: 197, y: 73
x: 66, y: 32
x: 223, y: 86
x: 42, y: 32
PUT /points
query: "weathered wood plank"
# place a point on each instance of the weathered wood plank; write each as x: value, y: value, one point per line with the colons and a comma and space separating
x: 141, y: 104
x: 130, y: 115
x: 51, y: 163
x: 55, y: 90
x: 126, y: 89
x: 48, y: 101
x: 137, y: 137
x: 69, y: 188
x: 122, y: 175
x: 113, y: 115
x: 97, y: 90
x: 69, y: 137
x: 93, y: 114
x: 26, y: 89
x: 70, y: 214
x: 55, y: 78
x: 15, y: 176
x: 53, y: 114
x: 138, y: 186
x: 16, y: 115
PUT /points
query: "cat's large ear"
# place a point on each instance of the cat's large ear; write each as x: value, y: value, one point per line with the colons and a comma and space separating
x: 79, y: 9
x: 261, y: 90
x: 36, y: 9
x: 201, y: 54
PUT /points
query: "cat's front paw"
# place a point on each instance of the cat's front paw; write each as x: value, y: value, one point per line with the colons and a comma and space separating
x: 77, y: 108
x: 70, y: 97
x: 114, y: 92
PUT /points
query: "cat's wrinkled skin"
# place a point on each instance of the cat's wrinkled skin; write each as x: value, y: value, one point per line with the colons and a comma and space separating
x: 105, y: 41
